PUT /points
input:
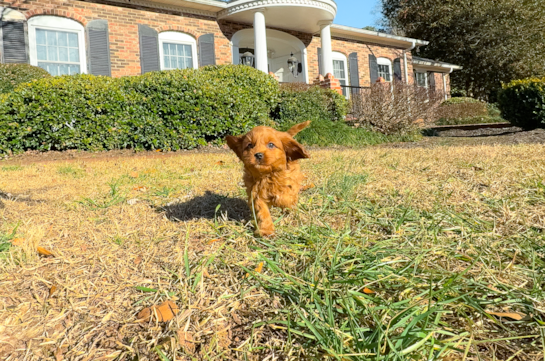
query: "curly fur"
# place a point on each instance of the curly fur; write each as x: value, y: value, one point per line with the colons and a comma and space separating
x: 272, y: 174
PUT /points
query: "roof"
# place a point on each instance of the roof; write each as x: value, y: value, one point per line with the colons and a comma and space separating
x: 430, y: 64
x: 375, y: 36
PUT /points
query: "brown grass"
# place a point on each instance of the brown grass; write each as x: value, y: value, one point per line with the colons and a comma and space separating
x: 165, y: 210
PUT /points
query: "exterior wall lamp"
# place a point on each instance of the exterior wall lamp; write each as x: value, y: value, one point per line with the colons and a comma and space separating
x: 247, y: 59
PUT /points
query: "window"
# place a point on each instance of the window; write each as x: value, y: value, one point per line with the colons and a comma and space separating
x: 421, y: 79
x: 177, y: 50
x: 57, y: 45
x: 340, y: 71
x: 385, y: 69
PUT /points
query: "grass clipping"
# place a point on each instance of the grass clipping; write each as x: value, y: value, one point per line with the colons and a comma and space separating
x: 395, y: 254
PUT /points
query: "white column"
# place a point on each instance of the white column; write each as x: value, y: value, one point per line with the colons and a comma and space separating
x: 260, y: 41
x: 327, y: 52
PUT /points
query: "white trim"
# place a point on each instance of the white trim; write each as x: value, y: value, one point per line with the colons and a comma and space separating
x: 387, y: 62
x: 56, y: 23
x: 245, y: 5
x: 176, y: 37
x: 425, y: 79
x: 341, y: 57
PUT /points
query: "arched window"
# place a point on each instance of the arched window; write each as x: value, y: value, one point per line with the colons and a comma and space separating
x: 177, y: 50
x: 57, y: 45
x: 340, y: 70
x: 385, y: 68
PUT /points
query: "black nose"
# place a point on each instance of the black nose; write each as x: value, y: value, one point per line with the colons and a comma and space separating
x: 258, y: 156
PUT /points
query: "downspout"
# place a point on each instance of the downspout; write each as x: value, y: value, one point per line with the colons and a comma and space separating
x: 405, y: 60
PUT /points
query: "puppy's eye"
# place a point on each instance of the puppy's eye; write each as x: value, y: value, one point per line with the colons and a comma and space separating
x: 249, y: 146
x: 270, y: 145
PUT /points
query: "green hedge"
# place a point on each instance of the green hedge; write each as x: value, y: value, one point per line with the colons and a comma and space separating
x: 169, y: 110
x: 522, y: 102
x: 12, y: 75
x: 464, y: 110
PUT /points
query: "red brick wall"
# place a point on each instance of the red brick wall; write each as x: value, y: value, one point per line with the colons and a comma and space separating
x: 123, y: 27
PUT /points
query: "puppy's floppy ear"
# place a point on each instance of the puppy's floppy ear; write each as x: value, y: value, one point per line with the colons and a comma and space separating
x: 293, y: 149
x: 235, y: 143
x: 297, y: 128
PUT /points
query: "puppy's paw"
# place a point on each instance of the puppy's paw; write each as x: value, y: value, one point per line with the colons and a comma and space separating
x: 265, y: 233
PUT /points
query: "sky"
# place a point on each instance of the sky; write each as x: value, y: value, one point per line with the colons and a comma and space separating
x: 357, y: 13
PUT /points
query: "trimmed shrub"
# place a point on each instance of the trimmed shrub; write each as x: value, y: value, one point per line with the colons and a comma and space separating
x: 522, y: 102
x: 12, y: 75
x: 300, y: 102
x: 463, y: 110
x: 171, y: 110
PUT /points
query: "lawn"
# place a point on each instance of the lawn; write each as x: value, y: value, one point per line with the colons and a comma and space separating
x: 431, y: 253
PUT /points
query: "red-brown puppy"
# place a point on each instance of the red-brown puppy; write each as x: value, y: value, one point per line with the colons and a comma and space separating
x: 271, y: 170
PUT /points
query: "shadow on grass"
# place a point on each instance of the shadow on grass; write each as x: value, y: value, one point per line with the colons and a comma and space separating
x: 206, y: 207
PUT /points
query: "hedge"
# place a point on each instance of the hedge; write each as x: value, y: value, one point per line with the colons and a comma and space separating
x: 12, y: 75
x: 171, y: 110
x: 522, y: 102
x: 464, y: 110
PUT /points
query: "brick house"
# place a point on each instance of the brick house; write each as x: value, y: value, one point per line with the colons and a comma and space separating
x: 295, y: 40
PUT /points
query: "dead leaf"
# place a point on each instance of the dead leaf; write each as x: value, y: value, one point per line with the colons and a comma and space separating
x: 17, y: 241
x: 58, y: 354
x: 307, y: 187
x: 140, y: 188
x: 213, y: 241
x: 221, y: 162
x: 44, y: 252
x: 134, y: 174
x: 259, y: 267
x: 236, y: 318
x: 164, y: 312
x: 368, y: 291
x: 158, y: 150
x: 52, y: 290
x: 138, y: 260
x: 186, y: 341
x: 478, y: 169
x: 512, y: 315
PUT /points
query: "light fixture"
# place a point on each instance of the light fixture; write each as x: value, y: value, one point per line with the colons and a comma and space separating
x: 293, y: 65
x: 247, y: 59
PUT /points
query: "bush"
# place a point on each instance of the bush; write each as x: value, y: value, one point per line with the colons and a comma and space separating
x: 394, y: 109
x: 169, y: 110
x: 463, y: 110
x: 522, y: 102
x: 12, y: 75
x: 300, y: 102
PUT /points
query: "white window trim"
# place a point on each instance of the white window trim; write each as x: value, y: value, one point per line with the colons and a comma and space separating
x: 340, y: 56
x: 388, y: 62
x: 175, y: 37
x: 425, y: 78
x: 56, y: 23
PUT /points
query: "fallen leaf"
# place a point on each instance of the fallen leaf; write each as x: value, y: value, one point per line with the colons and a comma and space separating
x: 221, y: 162
x: 186, y: 341
x: 307, y: 187
x: 512, y: 315
x: 236, y: 318
x: 44, y: 252
x: 140, y: 188
x: 213, y: 241
x: 84, y: 248
x: 259, y: 267
x: 368, y: 291
x: 478, y: 169
x: 164, y: 312
x: 52, y: 290
x: 138, y: 260
x: 58, y: 354
x: 158, y: 150
x: 134, y: 174
x: 17, y: 241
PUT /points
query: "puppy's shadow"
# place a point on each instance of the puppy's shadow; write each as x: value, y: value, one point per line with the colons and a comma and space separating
x: 205, y: 206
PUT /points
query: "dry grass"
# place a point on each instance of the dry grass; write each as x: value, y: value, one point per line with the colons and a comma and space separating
x: 450, y: 231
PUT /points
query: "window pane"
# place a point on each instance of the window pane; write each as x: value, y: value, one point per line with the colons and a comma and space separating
x: 52, y: 38
x: 338, y: 69
x: 52, y: 53
x: 180, y: 50
x: 42, y: 52
x: 40, y: 37
x: 63, y: 54
x: 74, y: 69
x: 63, y: 38
x: 63, y: 69
x: 165, y: 49
x: 73, y: 40
x: 74, y: 55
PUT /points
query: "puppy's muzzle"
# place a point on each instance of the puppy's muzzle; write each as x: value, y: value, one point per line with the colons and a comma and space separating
x: 258, y: 156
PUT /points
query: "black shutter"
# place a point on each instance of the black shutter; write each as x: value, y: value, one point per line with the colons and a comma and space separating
x: 354, y: 69
x: 14, y: 42
x: 319, y: 61
x: 99, y: 48
x: 207, y: 50
x: 149, y: 49
x: 431, y: 80
x: 397, y: 70
x: 373, y: 68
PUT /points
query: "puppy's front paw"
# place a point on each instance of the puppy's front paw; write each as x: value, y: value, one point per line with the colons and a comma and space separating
x: 264, y: 232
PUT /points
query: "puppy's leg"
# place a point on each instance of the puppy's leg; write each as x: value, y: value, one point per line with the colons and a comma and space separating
x: 264, y: 225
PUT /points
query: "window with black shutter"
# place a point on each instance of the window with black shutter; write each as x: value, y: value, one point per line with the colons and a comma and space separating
x: 207, y: 51
x: 397, y: 70
x: 99, y: 48
x: 14, y: 41
x: 149, y: 49
x: 373, y: 68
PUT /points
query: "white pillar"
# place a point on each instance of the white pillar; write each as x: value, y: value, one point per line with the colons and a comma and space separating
x: 327, y: 52
x: 260, y: 41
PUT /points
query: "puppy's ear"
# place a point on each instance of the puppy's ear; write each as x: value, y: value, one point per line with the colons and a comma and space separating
x: 235, y: 143
x: 297, y: 128
x: 293, y: 149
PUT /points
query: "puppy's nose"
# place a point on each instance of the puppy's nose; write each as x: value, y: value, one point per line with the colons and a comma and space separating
x: 258, y: 156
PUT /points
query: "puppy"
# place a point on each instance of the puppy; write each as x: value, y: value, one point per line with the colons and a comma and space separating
x: 271, y: 170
